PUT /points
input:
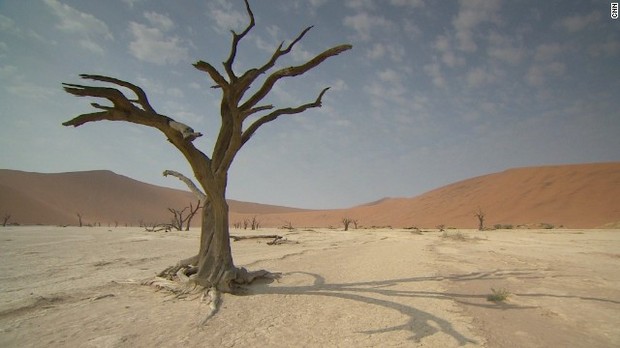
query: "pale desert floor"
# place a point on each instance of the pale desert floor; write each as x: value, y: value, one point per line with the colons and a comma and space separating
x: 63, y: 287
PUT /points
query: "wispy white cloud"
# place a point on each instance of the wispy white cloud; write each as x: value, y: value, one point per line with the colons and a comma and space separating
x: 4, y: 48
x: 548, y: 51
x: 547, y: 63
x: 471, y: 14
x: 338, y: 85
x: 89, y: 28
x: 388, y: 87
x: 577, y: 23
x: 444, y: 45
x: 154, y: 44
x: 131, y: 3
x: 156, y: 87
x: 225, y: 18
x: 392, y: 50
x: 538, y: 73
x: 19, y: 86
x: 7, y: 24
x: 316, y: 3
x: 159, y: 21
x: 364, y: 24
x: 360, y: 4
x: 607, y: 48
x: 505, y: 48
x: 478, y: 76
x: 433, y: 70
x: 7, y: 71
x: 410, y: 3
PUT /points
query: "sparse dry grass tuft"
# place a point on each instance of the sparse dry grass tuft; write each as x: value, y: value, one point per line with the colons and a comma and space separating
x: 499, y: 295
x: 458, y: 236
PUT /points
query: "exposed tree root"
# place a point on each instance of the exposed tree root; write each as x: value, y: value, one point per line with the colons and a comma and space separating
x: 180, y: 281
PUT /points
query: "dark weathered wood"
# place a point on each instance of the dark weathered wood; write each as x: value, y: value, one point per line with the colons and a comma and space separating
x: 260, y: 236
x: 213, y: 266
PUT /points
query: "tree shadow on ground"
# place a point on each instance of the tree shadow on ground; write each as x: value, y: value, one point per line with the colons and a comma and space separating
x: 420, y: 323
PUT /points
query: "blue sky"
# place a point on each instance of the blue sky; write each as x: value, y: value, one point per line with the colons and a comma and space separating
x: 433, y: 91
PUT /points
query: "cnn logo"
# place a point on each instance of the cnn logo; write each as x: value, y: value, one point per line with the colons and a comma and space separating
x: 614, y: 10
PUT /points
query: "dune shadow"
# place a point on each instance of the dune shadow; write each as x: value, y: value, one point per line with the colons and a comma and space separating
x: 385, y: 294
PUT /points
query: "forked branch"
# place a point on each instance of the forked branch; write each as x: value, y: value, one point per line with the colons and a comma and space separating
x: 213, y: 73
x: 291, y: 71
x: 139, y: 92
x: 247, y: 134
x: 251, y: 75
x: 235, y: 42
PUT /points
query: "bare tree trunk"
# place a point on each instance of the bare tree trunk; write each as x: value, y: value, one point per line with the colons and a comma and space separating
x: 213, y: 266
x: 5, y: 220
x: 480, y: 215
x: 215, y: 263
x: 346, y: 222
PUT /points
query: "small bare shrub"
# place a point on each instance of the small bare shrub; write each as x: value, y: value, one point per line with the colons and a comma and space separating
x: 499, y: 295
x: 458, y: 236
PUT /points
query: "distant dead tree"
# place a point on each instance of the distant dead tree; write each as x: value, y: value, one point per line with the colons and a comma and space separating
x: 178, y: 220
x: 346, y: 222
x: 355, y: 223
x: 5, y: 219
x: 79, y: 219
x: 255, y: 224
x: 246, y: 223
x: 288, y: 226
x: 480, y: 215
x: 192, y: 212
x: 243, y: 109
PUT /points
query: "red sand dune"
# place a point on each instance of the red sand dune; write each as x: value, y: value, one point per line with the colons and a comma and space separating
x: 100, y: 196
x: 575, y: 196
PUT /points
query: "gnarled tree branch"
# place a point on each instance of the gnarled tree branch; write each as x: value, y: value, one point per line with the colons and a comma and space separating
x: 124, y: 109
x: 190, y: 184
x: 235, y: 42
x: 291, y: 71
x: 250, y: 76
x: 247, y: 134
x: 142, y: 98
x: 212, y: 71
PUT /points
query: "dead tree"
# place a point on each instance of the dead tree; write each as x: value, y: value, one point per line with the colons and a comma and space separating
x: 5, y: 219
x: 79, y: 219
x: 242, y: 112
x: 480, y: 215
x: 192, y: 212
x: 255, y: 224
x: 177, y: 218
x: 355, y: 223
x: 178, y: 221
x: 346, y: 222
